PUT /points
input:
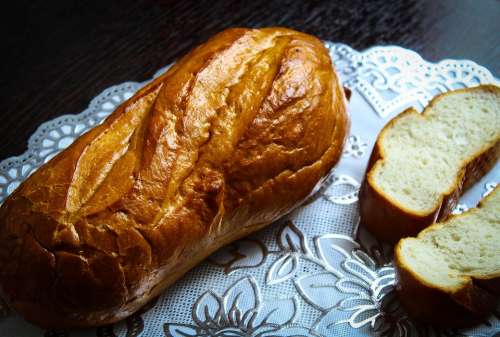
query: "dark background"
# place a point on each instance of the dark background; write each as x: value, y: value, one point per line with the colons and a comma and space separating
x: 58, y: 55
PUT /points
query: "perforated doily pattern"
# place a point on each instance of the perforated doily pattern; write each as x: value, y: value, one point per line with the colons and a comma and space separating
x: 314, y: 273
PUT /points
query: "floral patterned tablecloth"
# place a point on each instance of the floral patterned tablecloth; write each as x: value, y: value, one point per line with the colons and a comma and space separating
x: 314, y: 272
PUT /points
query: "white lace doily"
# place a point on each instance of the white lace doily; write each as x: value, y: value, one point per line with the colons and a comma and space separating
x: 314, y: 273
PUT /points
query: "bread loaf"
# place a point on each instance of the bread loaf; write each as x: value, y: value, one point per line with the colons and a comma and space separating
x: 450, y: 274
x: 421, y: 163
x: 233, y: 136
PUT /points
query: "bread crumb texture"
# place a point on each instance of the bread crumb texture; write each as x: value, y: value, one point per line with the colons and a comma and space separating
x: 424, y: 154
x: 446, y: 255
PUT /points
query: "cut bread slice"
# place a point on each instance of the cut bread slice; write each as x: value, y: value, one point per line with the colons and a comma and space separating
x: 421, y: 163
x: 450, y: 273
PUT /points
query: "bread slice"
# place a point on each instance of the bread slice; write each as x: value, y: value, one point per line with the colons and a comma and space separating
x: 421, y: 163
x: 450, y: 273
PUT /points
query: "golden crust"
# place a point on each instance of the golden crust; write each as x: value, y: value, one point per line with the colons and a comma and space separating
x: 233, y: 136
x: 389, y: 220
x: 457, y: 307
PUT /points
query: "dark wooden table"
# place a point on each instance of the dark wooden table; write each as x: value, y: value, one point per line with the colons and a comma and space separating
x: 58, y: 55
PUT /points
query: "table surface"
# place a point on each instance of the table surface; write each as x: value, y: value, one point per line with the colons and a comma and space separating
x: 58, y: 55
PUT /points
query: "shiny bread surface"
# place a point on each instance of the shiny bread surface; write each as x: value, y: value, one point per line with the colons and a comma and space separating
x: 233, y: 136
